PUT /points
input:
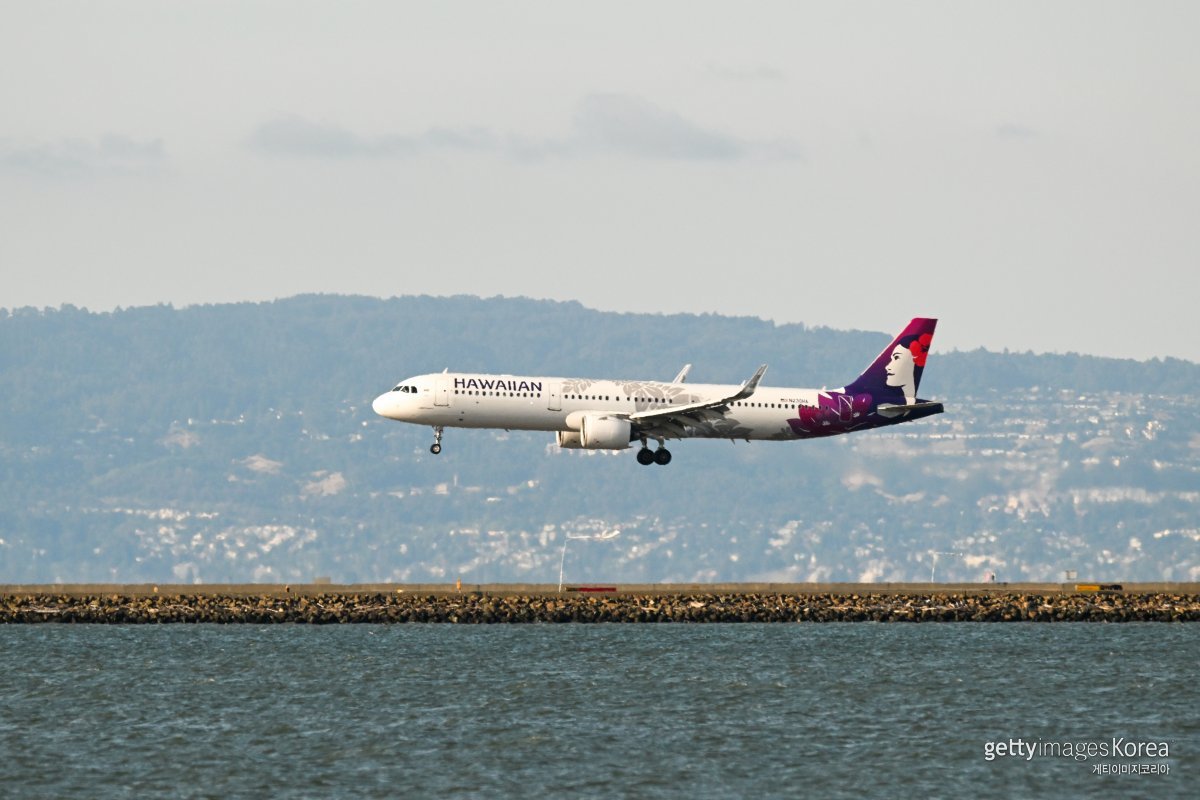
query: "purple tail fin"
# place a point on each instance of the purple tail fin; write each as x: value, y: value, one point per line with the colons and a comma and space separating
x: 894, y: 376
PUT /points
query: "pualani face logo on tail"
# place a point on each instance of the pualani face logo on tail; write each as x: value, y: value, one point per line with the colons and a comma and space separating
x: 906, y: 363
x: 893, y: 379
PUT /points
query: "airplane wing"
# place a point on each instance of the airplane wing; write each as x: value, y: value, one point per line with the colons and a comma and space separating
x: 673, y: 420
x: 683, y: 373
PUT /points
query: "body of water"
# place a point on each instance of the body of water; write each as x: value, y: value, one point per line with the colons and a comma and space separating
x: 671, y: 711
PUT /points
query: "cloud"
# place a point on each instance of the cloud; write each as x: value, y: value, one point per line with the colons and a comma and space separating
x: 324, y: 485
x: 295, y: 136
x: 625, y: 125
x: 260, y: 463
x: 603, y: 124
x: 72, y: 158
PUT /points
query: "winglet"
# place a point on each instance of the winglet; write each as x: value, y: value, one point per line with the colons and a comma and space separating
x: 683, y: 373
x: 751, y: 385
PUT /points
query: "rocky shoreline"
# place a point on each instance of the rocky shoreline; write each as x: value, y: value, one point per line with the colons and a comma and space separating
x: 478, y: 608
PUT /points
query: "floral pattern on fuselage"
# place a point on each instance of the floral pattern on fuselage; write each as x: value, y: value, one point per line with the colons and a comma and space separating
x: 835, y: 412
x: 646, y: 395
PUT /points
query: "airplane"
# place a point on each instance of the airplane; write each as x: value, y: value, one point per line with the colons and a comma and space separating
x: 613, y: 414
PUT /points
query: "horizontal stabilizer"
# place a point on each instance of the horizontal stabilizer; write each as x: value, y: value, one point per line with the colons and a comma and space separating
x: 901, y: 410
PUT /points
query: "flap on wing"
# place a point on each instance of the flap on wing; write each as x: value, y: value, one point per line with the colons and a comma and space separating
x: 745, y: 391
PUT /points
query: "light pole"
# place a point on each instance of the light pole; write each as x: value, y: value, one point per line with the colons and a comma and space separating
x: 568, y: 537
x: 937, y: 553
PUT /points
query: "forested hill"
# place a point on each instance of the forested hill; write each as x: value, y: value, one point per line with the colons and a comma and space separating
x: 251, y: 423
x: 157, y: 364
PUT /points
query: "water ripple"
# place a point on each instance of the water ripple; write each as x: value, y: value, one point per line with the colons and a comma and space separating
x: 587, y: 711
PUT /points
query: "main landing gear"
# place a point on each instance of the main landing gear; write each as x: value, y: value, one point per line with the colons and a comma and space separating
x: 661, y: 456
x: 436, y: 447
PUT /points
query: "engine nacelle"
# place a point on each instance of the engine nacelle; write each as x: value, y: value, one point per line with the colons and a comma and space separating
x: 569, y: 440
x: 604, y: 433
x: 597, y: 432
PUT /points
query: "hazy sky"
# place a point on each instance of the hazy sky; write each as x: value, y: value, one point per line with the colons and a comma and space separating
x: 1028, y: 172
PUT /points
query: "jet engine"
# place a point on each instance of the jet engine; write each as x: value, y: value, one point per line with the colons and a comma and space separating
x: 569, y: 440
x: 597, y: 432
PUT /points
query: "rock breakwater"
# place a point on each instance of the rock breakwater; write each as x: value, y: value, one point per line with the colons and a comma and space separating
x: 478, y: 608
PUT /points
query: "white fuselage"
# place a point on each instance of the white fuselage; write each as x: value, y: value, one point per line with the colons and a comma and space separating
x: 513, y: 402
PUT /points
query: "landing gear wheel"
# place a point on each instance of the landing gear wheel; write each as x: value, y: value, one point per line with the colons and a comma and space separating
x: 645, y: 456
x: 435, y: 448
x: 662, y: 456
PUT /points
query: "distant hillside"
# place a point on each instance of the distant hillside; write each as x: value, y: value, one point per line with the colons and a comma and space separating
x: 236, y: 442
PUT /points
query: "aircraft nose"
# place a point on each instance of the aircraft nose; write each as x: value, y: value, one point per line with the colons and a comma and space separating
x: 382, y: 404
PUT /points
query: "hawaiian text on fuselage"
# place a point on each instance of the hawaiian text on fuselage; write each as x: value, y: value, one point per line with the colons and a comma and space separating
x: 498, y: 383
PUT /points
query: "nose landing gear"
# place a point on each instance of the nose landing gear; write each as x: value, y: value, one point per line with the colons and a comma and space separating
x: 436, y: 447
